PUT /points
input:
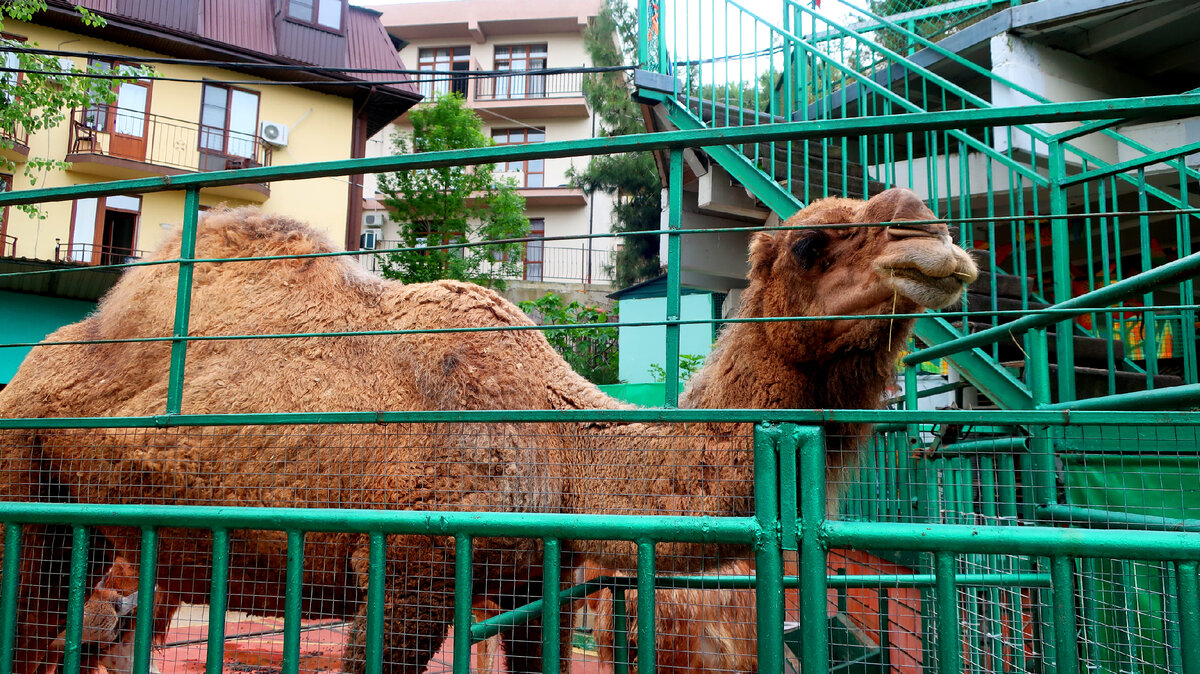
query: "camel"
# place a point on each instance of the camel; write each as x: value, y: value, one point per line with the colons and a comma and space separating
x: 609, y: 468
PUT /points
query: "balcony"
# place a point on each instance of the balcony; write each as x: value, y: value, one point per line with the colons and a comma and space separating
x: 550, y: 95
x: 14, y: 147
x: 551, y: 265
x: 8, y: 246
x: 117, y: 143
x: 88, y: 253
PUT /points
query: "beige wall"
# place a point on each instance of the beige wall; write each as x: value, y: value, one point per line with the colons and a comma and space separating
x: 320, y: 130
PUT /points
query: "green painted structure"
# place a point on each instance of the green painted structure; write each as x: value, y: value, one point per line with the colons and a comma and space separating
x: 643, y: 347
x: 26, y: 318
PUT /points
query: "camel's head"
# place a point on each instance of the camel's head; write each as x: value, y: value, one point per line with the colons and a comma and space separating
x: 873, y: 269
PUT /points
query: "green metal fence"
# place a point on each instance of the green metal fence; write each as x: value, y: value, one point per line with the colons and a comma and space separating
x: 1012, y: 565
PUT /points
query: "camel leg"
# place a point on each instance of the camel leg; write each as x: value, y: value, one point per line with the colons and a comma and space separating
x: 418, y: 605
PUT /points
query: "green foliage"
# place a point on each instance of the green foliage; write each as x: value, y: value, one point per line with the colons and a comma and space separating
x: 631, y: 178
x: 592, y: 352
x: 689, y: 365
x: 928, y: 28
x: 44, y: 94
x: 452, y: 204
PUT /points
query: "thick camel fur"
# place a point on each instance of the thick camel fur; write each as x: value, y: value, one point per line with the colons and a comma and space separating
x: 667, y: 469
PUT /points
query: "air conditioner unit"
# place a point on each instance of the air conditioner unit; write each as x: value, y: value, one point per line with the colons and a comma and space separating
x: 370, y: 219
x: 368, y: 239
x: 273, y: 133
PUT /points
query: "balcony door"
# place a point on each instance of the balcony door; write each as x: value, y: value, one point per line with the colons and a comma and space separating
x: 129, y: 125
x: 104, y: 231
x: 521, y: 57
x: 228, y: 128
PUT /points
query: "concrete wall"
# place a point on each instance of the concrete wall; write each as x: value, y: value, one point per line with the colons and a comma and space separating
x: 320, y: 130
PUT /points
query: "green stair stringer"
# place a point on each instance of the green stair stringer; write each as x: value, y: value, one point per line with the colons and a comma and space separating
x: 984, y: 373
x: 766, y: 190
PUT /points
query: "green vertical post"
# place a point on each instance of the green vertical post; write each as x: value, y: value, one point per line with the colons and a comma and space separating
x: 1061, y: 251
x: 643, y: 34
x: 949, y: 661
x: 76, y: 595
x: 376, y: 577
x: 645, y: 603
x: 293, y: 581
x: 183, y: 300
x: 1189, y: 616
x: 143, y: 630
x: 551, y: 573
x: 218, y: 598
x: 10, y: 583
x: 768, y: 554
x: 814, y: 583
x: 1062, y: 590
x: 463, y: 553
x: 620, y: 632
x: 674, y: 218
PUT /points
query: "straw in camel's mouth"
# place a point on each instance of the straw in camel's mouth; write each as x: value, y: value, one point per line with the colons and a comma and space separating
x: 933, y: 292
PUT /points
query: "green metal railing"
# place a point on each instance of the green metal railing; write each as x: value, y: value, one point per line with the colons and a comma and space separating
x: 971, y: 558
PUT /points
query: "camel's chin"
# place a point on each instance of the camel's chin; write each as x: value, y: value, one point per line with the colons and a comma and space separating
x: 929, y: 292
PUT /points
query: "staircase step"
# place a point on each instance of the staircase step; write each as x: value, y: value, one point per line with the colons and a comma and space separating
x: 1089, y: 351
x: 983, y: 302
x: 1007, y: 285
x: 1092, y: 382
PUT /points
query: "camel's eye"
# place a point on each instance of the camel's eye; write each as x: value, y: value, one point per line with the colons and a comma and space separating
x: 809, y: 247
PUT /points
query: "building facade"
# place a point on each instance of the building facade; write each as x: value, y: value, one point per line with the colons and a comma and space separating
x: 445, y: 39
x: 272, y: 88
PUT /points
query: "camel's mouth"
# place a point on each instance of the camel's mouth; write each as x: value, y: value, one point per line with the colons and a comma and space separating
x: 931, y: 292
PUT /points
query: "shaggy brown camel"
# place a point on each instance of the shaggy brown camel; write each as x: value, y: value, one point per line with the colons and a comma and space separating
x: 668, y: 469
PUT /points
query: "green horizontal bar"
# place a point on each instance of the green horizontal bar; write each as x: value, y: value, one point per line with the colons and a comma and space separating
x: 1185, y: 396
x: 1178, y: 270
x: 643, y: 415
x: 742, y: 530
x: 1157, y: 106
x: 1032, y: 540
x: 490, y: 627
x: 1139, y: 162
x: 593, y: 326
x: 1096, y: 517
x: 988, y: 446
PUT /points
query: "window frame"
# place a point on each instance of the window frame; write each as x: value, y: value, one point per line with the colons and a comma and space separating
x: 455, y: 81
x: 524, y: 163
x: 540, y: 246
x: 313, y: 23
x: 225, y: 131
x: 527, y: 79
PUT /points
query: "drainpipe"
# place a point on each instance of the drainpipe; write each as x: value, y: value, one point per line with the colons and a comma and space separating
x: 358, y: 149
x: 591, y: 216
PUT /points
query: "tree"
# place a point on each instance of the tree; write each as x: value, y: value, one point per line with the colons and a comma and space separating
x: 41, y: 93
x: 592, y: 352
x: 452, y: 205
x: 631, y: 178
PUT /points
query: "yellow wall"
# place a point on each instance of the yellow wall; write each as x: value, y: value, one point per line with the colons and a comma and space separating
x: 320, y: 129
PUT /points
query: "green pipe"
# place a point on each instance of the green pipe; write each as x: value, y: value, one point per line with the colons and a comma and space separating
x: 1172, y: 272
x: 551, y: 573
x: 645, y: 603
x: 949, y: 656
x: 1137, y: 163
x: 1164, y: 107
x: 646, y: 415
x: 1189, y: 616
x: 77, y: 591
x: 1025, y: 540
x: 1066, y: 631
x: 376, y: 596
x: 1060, y: 249
x: 674, y: 274
x: 813, y: 562
x: 183, y: 301
x: 463, y: 558
x: 496, y: 624
x: 218, y: 598
x: 293, y: 581
x: 768, y: 552
x: 1170, y: 595
x: 143, y: 632
x: 986, y: 446
x: 620, y: 633
x: 10, y: 583
x: 1060, y: 514
x: 1186, y: 396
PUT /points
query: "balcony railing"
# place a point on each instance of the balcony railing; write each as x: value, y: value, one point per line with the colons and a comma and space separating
x: 528, y: 85
x: 559, y: 265
x: 19, y: 137
x: 8, y: 246
x: 120, y: 133
x: 90, y: 253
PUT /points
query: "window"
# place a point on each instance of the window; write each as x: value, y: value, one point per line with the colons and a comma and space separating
x: 521, y: 57
x: 443, y: 59
x: 533, y: 171
x: 228, y: 128
x: 534, y: 250
x: 103, y: 231
x: 324, y: 13
x: 12, y: 63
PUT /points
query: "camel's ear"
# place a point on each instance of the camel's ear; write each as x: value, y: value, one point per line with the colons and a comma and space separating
x: 894, y: 205
x: 762, y: 254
